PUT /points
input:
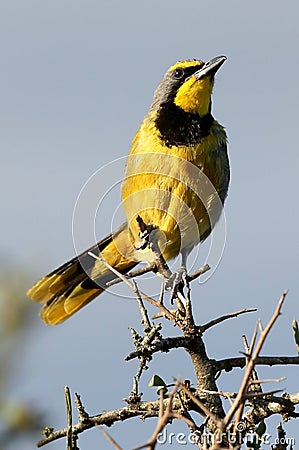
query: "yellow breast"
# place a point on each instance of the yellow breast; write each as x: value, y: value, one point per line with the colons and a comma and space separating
x: 175, y: 188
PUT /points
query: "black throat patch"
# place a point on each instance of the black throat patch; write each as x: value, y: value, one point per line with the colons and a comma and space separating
x: 178, y: 127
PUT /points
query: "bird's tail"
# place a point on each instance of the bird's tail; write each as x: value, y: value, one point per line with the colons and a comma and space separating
x: 73, y: 285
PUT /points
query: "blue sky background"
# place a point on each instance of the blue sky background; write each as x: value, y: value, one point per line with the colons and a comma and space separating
x: 76, y: 80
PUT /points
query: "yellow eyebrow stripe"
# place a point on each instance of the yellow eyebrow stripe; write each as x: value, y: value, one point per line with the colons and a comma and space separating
x: 184, y: 64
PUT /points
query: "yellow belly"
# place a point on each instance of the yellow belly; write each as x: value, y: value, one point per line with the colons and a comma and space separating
x: 174, y: 188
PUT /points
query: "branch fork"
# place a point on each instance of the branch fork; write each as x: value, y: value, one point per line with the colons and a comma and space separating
x: 205, y: 398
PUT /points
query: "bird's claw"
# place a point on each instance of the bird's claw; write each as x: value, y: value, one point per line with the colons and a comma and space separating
x: 177, y: 282
x: 144, y: 234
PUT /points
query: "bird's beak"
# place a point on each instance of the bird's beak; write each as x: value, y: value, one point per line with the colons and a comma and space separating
x: 210, y: 67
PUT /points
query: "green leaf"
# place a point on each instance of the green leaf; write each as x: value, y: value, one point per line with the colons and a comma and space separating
x: 261, y: 429
x: 157, y: 381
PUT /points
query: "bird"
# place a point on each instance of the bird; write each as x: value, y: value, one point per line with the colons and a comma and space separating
x: 175, y: 183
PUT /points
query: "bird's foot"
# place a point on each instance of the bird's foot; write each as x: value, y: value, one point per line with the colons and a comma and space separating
x: 177, y: 282
x: 144, y: 234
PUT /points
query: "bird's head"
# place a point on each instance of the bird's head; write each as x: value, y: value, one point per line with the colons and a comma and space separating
x: 188, y: 85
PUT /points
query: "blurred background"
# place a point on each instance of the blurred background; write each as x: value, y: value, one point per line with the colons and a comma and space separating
x: 76, y: 80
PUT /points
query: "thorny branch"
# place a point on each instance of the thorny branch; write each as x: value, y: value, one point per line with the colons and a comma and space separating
x: 205, y: 398
x: 143, y: 410
x: 240, y: 362
x: 239, y: 403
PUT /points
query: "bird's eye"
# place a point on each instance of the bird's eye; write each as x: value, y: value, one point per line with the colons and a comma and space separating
x: 178, y: 73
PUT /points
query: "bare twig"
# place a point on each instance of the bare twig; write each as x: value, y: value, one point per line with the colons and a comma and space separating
x: 239, y: 362
x: 220, y: 319
x: 260, y: 325
x: 239, y: 402
x: 221, y: 393
x: 163, y: 345
x: 134, y: 390
x: 142, y: 345
x: 254, y: 375
x: 269, y: 380
x: 251, y: 387
x: 166, y: 313
x: 259, y: 394
x: 186, y: 415
x: 161, y: 397
x: 135, y: 273
x: 245, y: 343
x: 83, y: 415
x: 296, y: 333
x: 162, y: 290
x: 142, y: 409
x: 152, y: 267
x: 131, y: 285
x: 68, y: 404
x: 188, y: 305
x: 253, y: 339
x: 145, y: 320
x: 110, y: 439
x: 112, y: 269
x: 197, y: 273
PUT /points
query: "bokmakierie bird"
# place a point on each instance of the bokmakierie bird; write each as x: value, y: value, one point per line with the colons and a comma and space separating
x: 176, y: 181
